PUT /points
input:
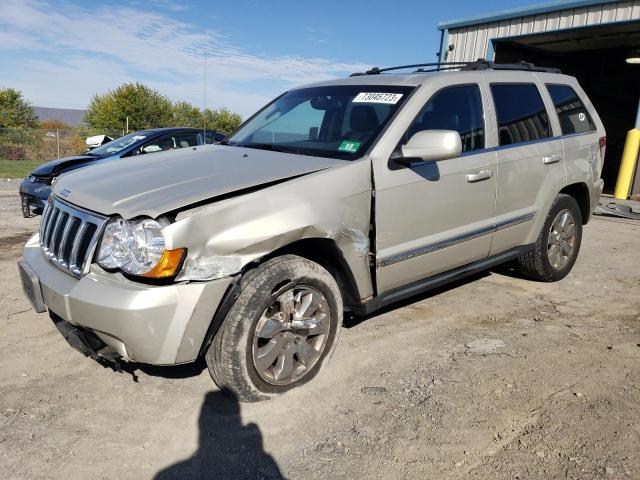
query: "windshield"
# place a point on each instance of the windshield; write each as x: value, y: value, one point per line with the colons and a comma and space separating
x: 334, y: 121
x: 118, y: 144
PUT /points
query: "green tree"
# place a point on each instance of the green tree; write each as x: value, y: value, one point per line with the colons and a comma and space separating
x: 222, y: 120
x: 144, y: 107
x: 186, y: 115
x: 15, y: 111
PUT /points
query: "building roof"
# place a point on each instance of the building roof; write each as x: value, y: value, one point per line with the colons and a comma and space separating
x: 518, y: 12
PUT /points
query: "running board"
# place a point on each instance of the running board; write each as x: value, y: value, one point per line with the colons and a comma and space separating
x: 430, y: 283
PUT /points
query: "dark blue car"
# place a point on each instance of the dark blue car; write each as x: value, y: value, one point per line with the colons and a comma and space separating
x: 35, y: 189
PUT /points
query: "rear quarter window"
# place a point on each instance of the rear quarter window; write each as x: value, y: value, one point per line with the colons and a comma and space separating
x: 520, y: 113
x: 572, y: 114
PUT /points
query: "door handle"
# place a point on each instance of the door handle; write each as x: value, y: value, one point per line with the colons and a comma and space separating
x: 549, y: 159
x: 479, y: 176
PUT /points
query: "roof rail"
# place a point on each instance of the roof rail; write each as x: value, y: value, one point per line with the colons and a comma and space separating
x: 480, y: 64
x: 483, y: 64
x: 438, y: 65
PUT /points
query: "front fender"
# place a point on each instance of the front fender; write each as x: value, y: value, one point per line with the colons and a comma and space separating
x: 223, y: 237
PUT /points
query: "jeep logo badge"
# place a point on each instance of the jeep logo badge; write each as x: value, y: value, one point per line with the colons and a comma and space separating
x: 66, y: 193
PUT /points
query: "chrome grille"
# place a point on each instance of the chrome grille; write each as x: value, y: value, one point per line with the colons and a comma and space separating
x: 68, y: 235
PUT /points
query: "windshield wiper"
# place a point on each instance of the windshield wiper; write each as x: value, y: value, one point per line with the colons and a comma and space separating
x: 271, y: 147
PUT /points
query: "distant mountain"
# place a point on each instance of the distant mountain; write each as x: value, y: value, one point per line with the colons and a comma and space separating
x: 70, y: 116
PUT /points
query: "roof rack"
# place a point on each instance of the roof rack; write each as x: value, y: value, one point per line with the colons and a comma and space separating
x: 438, y: 65
x: 483, y: 64
x: 480, y: 64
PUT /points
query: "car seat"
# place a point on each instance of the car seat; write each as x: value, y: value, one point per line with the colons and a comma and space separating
x: 363, y: 121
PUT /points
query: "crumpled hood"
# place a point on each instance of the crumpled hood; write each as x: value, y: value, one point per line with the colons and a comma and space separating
x: 54, y: 167
x: 162, y: 182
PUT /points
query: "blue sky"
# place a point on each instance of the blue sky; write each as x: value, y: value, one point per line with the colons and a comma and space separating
x: 60, y: 53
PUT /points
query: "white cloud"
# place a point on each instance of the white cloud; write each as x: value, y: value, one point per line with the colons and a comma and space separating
x: 93, y: 50
x: 173, y: 6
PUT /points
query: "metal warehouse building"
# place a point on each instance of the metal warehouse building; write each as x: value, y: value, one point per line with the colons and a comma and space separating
x: 596, y: 41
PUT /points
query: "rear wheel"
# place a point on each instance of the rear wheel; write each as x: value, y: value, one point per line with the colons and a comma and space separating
x: 283, y: 326
x: 558, y: 244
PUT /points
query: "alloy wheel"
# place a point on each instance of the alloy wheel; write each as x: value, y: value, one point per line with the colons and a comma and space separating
x: 562, y: 239
x: 291, y: 335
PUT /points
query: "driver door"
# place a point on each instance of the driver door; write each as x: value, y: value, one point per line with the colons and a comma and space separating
x: 435, y: 216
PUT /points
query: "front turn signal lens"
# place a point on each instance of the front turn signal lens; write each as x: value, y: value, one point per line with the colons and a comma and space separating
x: 168, y: 265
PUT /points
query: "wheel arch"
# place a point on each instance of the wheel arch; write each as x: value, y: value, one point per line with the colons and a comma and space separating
x: 325, y: 252
x: 580, y: 192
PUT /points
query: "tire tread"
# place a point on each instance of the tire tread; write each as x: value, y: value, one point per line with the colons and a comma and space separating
x: 531, y: 264
x: 225, y: 367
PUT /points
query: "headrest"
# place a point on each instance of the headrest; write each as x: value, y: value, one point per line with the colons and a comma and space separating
x: 363, y: 118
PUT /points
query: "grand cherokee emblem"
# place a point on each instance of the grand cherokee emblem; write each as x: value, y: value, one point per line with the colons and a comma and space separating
x: 66, y: 193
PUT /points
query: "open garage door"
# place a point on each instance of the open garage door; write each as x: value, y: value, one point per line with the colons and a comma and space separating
x: 596, y: 56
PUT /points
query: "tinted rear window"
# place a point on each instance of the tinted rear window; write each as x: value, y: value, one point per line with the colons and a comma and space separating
x: 572, y: 113
x: 520, y: 112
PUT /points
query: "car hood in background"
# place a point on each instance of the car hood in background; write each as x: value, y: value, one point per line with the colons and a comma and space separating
x: 59, y: 165
x: 167, y: 181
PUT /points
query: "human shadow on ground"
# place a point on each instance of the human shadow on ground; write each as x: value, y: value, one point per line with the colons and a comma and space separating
x: 227, y: 449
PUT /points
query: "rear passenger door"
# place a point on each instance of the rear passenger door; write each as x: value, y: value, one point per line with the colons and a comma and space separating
x: 530, y: 160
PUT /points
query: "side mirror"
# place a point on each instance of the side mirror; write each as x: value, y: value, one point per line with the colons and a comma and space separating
x: 428, y: 145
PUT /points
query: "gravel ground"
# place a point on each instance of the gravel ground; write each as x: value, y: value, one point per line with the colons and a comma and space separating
x: 495, y: 377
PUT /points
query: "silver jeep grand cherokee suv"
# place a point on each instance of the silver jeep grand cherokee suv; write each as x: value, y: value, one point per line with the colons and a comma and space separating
x: 344, y: 195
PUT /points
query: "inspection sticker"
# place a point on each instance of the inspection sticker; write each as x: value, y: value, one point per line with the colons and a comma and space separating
x: 349, y: 146
x: 373, y: 97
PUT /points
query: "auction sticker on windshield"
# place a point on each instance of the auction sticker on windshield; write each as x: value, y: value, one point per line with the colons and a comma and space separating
x: 380, y: 97
x: 349, y: 146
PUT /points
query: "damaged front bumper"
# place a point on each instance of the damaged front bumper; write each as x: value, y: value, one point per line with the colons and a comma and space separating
x: 87, y: 343
x: 153, y: 324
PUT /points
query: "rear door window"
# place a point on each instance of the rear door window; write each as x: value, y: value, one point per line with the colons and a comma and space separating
x: 520, y: 112
x: 572, y: 113
x: 213, y: 137
x: 184, y: 140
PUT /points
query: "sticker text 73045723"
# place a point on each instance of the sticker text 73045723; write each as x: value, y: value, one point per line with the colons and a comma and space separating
x: 377, y: 97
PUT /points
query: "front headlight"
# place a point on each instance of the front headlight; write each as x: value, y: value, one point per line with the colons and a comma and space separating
x: 137, y: 247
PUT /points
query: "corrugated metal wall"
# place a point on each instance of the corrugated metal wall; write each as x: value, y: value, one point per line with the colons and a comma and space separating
x: 472, y: 42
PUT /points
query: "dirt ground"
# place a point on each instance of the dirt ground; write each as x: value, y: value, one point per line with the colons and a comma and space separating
x: 493, y: 378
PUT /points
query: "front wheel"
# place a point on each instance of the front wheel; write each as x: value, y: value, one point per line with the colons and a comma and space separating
x: 282, y: 327
x: 558, y: 244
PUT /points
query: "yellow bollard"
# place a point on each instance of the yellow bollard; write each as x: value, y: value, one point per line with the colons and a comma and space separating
x: 627, y: 164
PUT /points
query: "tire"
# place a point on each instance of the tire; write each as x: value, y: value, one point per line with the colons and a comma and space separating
x: 541, y: 262
x: 270, y: 295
